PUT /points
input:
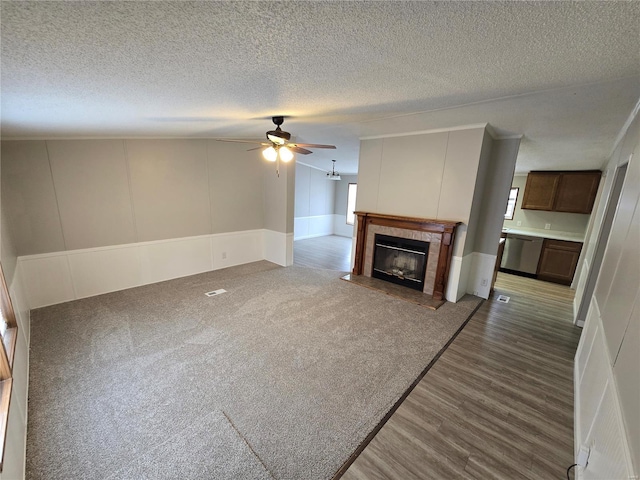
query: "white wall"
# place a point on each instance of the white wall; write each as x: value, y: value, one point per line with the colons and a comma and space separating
x: 314, y: 203
x: 15, y: 444
x: 607, y: 382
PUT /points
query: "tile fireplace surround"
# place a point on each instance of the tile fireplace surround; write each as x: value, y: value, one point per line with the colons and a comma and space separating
x: 439, y: 233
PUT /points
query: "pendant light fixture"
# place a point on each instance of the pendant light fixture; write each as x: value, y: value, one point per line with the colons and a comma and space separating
x: 333, y: 175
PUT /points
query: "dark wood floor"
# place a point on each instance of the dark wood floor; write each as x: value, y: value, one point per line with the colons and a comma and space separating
x: 331, y: 252
x: 497, y: 404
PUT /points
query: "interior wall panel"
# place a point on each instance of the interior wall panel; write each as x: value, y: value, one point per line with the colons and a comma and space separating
x: 301, y: 207
x: 626, y: 368
x: 459, y: 174
x: 170, y: 188
x: 411, y: 175
x: 369, y: 164
x: 92, y: 187
x: 235, y: 187
x: 29, y: 200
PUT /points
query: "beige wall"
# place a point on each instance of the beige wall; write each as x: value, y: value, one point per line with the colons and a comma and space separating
x: 500, y: 168
x: 460, y: 175
x: 431, y: 175
x: 72, y: 194
x: 560, y: 221
x: 278, y: 197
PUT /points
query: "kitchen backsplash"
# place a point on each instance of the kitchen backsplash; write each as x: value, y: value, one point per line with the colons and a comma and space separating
x: 559, y: 221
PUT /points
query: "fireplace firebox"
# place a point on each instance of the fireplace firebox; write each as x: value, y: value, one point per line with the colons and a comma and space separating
x: 400, y: 260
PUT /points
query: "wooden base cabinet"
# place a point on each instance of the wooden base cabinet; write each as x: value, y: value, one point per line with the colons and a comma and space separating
x: 558, y: 261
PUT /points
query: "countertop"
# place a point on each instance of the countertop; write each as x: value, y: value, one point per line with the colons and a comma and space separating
x: 552, y: 234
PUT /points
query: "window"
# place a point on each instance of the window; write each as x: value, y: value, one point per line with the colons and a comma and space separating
x: 511, y: 204
x: 9, y: 334
x: 351, y: 203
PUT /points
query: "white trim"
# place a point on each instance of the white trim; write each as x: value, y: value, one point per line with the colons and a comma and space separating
x: 278, y: 247
x: 606, y: 435
x: 422, y: 132
x: 482, y: 268
x: 57, y: 277
x: 313, y: 226
x: 459, y: 269
x: 625, y: 128
x: 313, y: 166
x: 492, y: 131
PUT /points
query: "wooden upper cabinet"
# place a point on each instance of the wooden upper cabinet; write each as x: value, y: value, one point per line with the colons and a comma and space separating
x: 571, y: 192
x: 540, y: 190
x: 577, y: 192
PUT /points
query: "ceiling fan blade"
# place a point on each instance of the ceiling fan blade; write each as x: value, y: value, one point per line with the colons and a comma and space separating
x: 297, y: 149
x: 257, y: 148
x: 241, y: 141
x: 313, y: 145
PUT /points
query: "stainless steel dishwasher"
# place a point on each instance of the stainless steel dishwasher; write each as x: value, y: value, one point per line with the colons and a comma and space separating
x: 521, y: 253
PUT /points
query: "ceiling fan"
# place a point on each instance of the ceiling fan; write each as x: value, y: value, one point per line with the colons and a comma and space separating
x: 278, y: 147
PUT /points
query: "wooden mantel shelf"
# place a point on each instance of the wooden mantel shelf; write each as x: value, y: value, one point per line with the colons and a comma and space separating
x: 445, y: 228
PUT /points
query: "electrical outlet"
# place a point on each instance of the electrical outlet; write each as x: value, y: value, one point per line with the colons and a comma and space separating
x: 547, y: 226
x: 519, y: 223
x: 583, y: 456
x: 484, y: 282
x: 224, y: 255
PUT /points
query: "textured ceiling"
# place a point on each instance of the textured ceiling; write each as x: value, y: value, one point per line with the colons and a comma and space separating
x: 566, y: 75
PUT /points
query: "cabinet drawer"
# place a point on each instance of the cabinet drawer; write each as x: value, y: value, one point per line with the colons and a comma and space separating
x: 563, y: 245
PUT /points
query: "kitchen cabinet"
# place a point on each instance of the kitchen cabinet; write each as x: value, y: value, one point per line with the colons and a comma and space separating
x: 558, y: 261
x: 571, y: 192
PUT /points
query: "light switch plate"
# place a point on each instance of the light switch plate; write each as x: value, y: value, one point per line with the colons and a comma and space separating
x: 547, y: 226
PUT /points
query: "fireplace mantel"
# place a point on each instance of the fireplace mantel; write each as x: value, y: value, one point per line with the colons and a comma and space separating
x: 408, y: 227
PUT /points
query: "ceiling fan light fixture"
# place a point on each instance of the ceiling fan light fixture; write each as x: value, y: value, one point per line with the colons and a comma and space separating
x: 286, y: 155
x: 270, y: 154
x: 275, y: 139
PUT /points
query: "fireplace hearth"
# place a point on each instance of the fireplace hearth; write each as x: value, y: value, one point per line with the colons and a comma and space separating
x: 400, y: 260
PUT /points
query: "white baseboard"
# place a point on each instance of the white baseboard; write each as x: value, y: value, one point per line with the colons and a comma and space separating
x: 312, y: 226
x: 278, y: 247
x: 458, y: 277
x: 62, y: 276
x: 481, y: 274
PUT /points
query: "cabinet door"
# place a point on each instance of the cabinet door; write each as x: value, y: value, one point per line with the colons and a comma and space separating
x: 558, y: 261
x: 577, y: 192
x: 540, y: 190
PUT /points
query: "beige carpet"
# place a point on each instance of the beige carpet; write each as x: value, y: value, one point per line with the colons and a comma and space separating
x: 281, y: 377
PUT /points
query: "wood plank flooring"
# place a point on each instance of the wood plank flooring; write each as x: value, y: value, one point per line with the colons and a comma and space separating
x: 497, y: 404
x: 331, y: 253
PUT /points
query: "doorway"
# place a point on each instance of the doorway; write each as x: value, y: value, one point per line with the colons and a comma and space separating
x: 601, y: 245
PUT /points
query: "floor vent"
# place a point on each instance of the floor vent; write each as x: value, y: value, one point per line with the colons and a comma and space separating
x: 503, y: 299
x: 215, y: 292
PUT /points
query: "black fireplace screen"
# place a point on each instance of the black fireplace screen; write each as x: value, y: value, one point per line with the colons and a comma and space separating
x: 400, y: 260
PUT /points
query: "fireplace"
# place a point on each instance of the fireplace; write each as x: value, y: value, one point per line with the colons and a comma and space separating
x: 400, y: 260
x: 436, y: 236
